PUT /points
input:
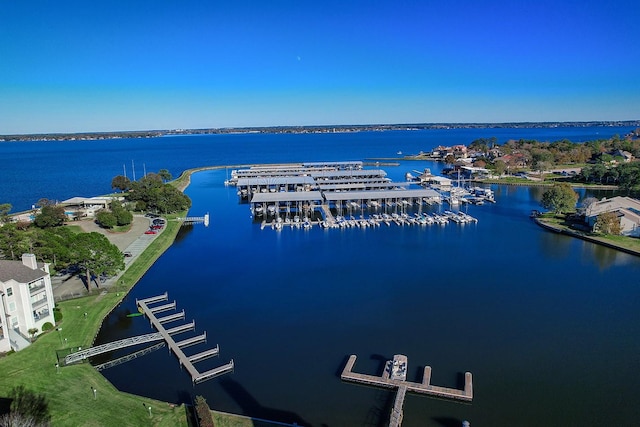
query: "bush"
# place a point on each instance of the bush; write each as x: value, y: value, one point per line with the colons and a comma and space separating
x: 47, y: 326
x: 57, y: 314
x: 204, y: 412
x: 29, y: 404
x: 106, y: 219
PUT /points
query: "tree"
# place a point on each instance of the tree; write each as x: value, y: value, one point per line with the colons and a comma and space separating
x: 32, y: 332
x: 95, y: 255
x: 500, y: 167
x: 106, y: 219
x: 28, y: 404
x: 449, y: 159
x: 150, y: 193
x: 560, y: 198
x: 121, y: 183
x: 122, y: 216
x: 50, y: 216
x: 165, y: 175
x: 12, y: 241
x: 203, y: 412
x: 608, y: 223
x: 5, y: 208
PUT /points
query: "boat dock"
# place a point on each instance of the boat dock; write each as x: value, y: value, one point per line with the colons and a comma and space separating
x: 177, y: 346
x: 394, y: 377
x: 343, y: 194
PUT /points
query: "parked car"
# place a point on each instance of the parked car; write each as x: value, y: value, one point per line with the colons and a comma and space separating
x: 151, y: 232
x: 127, y: 254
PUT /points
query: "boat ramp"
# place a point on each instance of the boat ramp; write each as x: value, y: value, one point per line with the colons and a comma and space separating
x: 394, y: 377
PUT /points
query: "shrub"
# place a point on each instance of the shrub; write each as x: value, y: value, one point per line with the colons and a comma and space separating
x: 57, y: 314
x: 47, y: 326
x: 204, y: 412
x: 29, y: 404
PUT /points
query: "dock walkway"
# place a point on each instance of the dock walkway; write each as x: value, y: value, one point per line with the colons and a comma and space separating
x: 176, y: 347
x: 403, y: 386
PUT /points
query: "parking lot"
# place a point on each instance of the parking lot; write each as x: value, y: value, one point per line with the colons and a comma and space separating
x: 133, y: 241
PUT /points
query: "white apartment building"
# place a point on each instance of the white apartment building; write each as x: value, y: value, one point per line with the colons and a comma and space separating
x: 26, y: 301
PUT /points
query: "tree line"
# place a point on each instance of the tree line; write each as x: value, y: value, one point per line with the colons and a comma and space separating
x: 89, y: 254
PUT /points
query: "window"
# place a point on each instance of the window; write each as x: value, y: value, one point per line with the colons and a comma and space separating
x: 9, y: 292
x: 12, y: 306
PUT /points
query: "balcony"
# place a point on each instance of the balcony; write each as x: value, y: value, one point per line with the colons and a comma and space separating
x: 36, y: 288
x: 39, y: 303
x: 41, y: 315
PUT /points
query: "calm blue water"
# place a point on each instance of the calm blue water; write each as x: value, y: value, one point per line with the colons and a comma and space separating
x: 61, y: 170
x: 547, y: 324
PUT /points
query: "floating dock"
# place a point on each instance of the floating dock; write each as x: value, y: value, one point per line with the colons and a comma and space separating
x: 394, y: 377
x: 176, y: 347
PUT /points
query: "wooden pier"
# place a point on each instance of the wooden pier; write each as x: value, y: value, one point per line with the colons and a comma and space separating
x: 403, y: 386
x: 176, y: 347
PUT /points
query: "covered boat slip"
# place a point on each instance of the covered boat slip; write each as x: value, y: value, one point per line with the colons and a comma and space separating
x: 275, y: 183
x: 309, y: 201
x: 294, y: 169
x: 286, y: 201
x: 384, y: 197
x: 371, y: 185
x: 330, y: 175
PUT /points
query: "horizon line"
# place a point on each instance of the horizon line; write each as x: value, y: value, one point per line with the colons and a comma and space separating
x: 633, y: 122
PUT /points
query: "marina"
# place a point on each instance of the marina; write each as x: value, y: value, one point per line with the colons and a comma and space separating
x: 394, y: 376
x: 343, y: 194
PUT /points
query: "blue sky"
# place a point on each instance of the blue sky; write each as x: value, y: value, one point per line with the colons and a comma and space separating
x: 74, y: 66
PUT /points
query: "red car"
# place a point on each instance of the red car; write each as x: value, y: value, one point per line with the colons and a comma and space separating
x: 151, y: 232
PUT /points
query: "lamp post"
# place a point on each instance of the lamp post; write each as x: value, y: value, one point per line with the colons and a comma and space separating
x: 59, y: 334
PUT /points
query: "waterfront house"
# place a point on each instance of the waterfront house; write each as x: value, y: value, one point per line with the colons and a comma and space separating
x: 78, y: 207
x: 26, y: 301
x: 626, y: 209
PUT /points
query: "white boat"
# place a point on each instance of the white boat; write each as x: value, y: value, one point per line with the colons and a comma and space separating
x: 398, y: 367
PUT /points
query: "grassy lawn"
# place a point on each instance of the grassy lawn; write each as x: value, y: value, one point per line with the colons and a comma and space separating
x: 625, y: 242
x: 69, y: 391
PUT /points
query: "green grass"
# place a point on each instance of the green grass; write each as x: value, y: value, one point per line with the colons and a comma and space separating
x: 69, y: 391
x: 631, y: 243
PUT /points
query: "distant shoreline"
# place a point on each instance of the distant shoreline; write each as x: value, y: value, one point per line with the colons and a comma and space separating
x: 92, y: 136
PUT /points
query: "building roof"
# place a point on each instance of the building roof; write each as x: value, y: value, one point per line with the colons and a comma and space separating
x: 613, y: 204
x: 19, y: 272
x: 287, y: 196
x: 382, y: 194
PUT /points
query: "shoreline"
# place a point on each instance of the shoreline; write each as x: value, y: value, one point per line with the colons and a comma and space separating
x: 591, y: 239
x: 113, y: 406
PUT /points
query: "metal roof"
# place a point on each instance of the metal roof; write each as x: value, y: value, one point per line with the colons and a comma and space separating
x: 287, y: 196
x: 348, y: 173
x: 275, y: 180
x: 381, y: 194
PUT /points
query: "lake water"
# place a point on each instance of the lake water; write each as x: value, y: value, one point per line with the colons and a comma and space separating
x: 59, y: 170
x: 548, y: 325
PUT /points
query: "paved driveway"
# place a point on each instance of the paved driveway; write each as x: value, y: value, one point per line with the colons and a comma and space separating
x: 134, y: 241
